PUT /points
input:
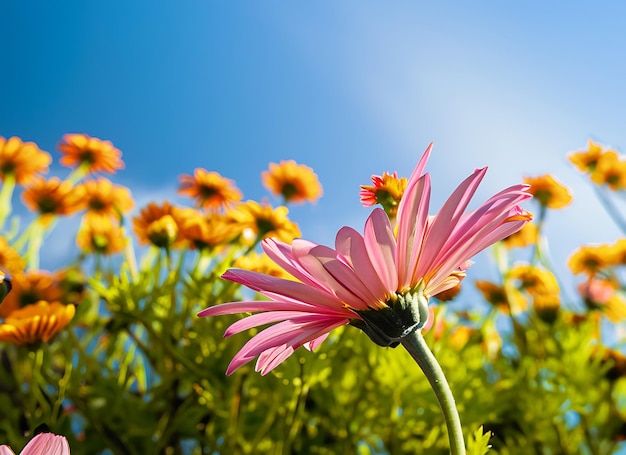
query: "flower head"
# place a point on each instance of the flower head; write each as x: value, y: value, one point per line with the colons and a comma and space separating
x: 208, y: 230
x: 548, y: 191
x: 52, y: 196
x: 610, y: 170
x: 37, y: 322
x: 294, y: 182
x: 101, y: 197
x: 91, y: 153
x: 23, y: 160
x: 10, y: 260
x: 42, y: 444
x: 586, y: 160
x: 209, y: 189
x: 159, y: 225
x: 100, y: 235
x: 29, y: 288
x: 386, y: 190
x: 264, y: 221
x: 380, y: 281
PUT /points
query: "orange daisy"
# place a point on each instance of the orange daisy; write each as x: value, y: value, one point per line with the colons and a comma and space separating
x: 590, y: 259
x: 208, y: 230
x: 52, y: 197
x: 101, y: 197
x: 29, y: 288
x: 37, y: 322
x: 209, y: 189
x: 90, y: 152
x: 548, y: 191
x: 610, y: 170
x: 10, y: 260
x: 100, y: 235
x: 294, y: 182
x: 265, y: 221
x: 160, y: 225
x: 586, y: 160
x: 386, y: 190
x: 23, y: 160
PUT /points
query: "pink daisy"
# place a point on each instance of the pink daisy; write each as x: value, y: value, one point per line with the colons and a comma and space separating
x: 380, y: 281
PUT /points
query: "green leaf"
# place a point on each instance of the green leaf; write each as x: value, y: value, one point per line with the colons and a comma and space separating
x: 478, y: 443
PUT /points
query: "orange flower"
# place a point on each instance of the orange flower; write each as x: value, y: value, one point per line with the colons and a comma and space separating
x: 535, y: 280
x: 159, y: 225
x: 90, y: 152
x: 210, y: 189
x: 263, y: 264
x: 526, y: 236
x: 29, y: 288
x: 24, y: 160
x: 586, y: 160
x: 265, y: 221
x: 610, y: 170
x: 36, y: 322
x: 100, y: 235
x: 208, y: 230
x: 508, y: 301
x: 387, y: 190
x: 548, y: 191
x: 10, y: 260
x: 591, y: 259
x: 103, y: 198
x: 52, y: 197
x: 294, y: 182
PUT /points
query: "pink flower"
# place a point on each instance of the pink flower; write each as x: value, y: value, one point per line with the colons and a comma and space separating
x: 42, y: 444
x: 380, y: 281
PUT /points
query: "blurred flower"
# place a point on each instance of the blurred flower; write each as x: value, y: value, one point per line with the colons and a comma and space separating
x: 91, y: 153
x: 209, y: 189
x: 52, y: 197
x: 261, y: 263
x: 23, y: 160
x: 37, y: 322
x: 294, y: 182
x: 100, y: 235
x: 159, y: 225
x: 101, y: 197
x: 548, y: 191
x: 506, y: 300
x: 547, y: 306
x: 586, y: 160
x: 10, y: 260
x: 208, y: 230
x: 460, y: 335
x: 379, y: 282
x: 5, y: 286
x: 526, y: 236
x: 265, y: 221
x: 42, y: 444
x: 29, y: 288
x: 590, y: 259
x: 610, y: 170
x: 535, y: 280
x: 601, y: 295
x: 386, y: 190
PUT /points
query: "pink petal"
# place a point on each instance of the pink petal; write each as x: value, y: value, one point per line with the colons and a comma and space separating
x: 48, y: 444
x: 381, y: 248
x: 270, y: 359
x: 265, y: 318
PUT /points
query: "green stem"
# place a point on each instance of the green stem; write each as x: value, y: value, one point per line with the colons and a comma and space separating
x: 417, y: 347
x: 6, y: 194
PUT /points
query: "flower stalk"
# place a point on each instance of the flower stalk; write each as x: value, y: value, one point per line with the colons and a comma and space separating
x: 415, y: 344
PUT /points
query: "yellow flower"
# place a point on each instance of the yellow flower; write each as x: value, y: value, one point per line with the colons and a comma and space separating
x: 586, y: 160
x: 159, y: 225
x: 590, y: 259
x: 534, y: 280
x: 265, y: 221
x: 386, y: 190
x: 208, y: 230
x: 548, y: 191
x: 23, y: 160
x: 209, y: 189
x: 263, y: 264
x: 610, y: 170
x: 52, y: 197
x: 547, y: 306
x: 294, y: 182
x: 101, y: 197
x: 29, y: 288
x: 90, y: 152
x: 526, y: 236
x: 37, y: 322
x: 100, y: 235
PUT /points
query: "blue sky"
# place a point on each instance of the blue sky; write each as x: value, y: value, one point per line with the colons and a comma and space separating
x: 348, y: 88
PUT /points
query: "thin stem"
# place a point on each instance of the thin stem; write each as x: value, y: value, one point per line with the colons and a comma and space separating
x: 6, y: 194
x: 417, y: 347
